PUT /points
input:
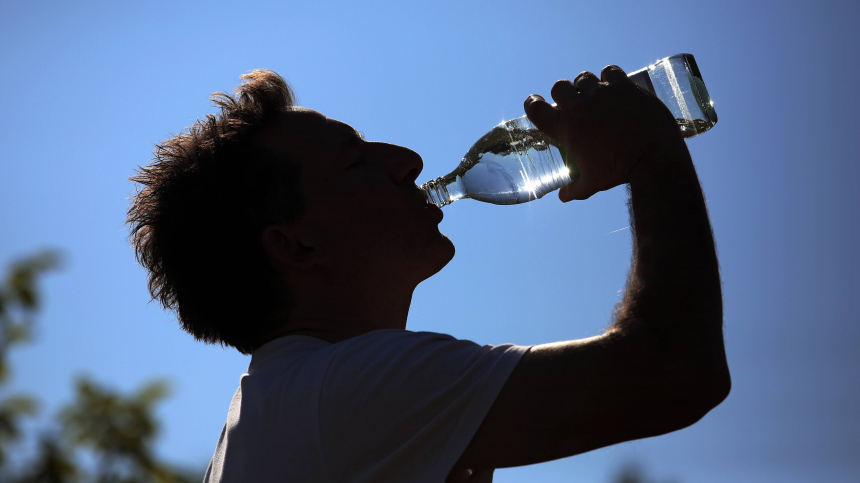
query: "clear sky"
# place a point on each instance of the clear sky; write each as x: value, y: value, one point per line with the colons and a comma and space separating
x: 88, y: 88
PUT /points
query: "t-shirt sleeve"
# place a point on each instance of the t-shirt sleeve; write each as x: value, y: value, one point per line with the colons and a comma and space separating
x: 397, y: 405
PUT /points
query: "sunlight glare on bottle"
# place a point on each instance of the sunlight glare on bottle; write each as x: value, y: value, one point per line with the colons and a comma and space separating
x: 516, y: 163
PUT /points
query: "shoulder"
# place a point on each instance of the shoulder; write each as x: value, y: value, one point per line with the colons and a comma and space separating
x: 396, y: 336
x: 394, y: 348
x: 407, y: 366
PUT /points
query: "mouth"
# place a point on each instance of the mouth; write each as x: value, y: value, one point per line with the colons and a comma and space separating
x: 430, y: 208
x: 434, y: 210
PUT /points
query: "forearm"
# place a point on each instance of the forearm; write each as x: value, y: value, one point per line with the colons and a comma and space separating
x: 674, y: 286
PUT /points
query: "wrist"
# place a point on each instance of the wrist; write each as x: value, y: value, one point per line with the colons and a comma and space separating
x: 659, y: 161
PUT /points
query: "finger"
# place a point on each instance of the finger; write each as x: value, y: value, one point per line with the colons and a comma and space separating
x: 612, y: 73
x: 586, y: 82
x: 575, y: 190
x: 564, y: 193
x: 564, y: 93
x: 544, y: 116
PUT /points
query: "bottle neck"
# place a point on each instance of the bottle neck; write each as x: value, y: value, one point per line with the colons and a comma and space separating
x: 444, y: 190
x: 436, y: 192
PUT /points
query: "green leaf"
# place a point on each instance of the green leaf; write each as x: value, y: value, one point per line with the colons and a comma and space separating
x: 20, y: 405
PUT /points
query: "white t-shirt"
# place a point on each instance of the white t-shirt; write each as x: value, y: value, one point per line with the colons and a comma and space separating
x: 389, y: 405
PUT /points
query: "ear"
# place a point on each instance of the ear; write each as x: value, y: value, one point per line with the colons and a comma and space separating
x: 287, y: 249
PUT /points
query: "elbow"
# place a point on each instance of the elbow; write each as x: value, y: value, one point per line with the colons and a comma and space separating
x: 713, y: 383
x: 712, y: 391
x: 722, y: 387
x: 699, y: 395
x: 719, y: 387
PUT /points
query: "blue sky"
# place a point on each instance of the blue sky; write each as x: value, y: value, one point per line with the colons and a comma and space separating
x: 90, y: 87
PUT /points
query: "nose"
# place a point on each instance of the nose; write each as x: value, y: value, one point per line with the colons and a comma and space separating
x: 404, y: 164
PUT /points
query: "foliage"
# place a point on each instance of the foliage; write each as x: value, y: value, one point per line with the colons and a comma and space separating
x: 632, y: 473
x: 115, y: 430
x: 52, y: 465
x: 19, y: 301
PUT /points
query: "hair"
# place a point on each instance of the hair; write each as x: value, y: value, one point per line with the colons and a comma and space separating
x: 197, y: 216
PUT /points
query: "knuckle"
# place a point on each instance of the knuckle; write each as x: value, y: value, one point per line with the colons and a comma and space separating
x: 612, y: 73
x: 561, y: 85
x: 562, y: 91
x: 586, y: 78
x: 532, y: 100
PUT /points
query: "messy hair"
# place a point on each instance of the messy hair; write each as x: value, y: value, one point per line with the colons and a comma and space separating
x: 198, y: 213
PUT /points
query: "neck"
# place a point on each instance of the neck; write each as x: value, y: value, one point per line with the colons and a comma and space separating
x: 336, y: 312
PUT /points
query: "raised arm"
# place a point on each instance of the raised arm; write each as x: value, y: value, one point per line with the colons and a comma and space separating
x: 662, y: 365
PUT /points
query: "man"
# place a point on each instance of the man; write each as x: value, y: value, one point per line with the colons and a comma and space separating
x: 278, y: 231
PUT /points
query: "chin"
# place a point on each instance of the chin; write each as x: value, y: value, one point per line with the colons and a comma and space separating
x: 440, y: 256
x: 449, y: 255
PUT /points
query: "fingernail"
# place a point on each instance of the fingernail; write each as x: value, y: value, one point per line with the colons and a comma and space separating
x: 535, y: 97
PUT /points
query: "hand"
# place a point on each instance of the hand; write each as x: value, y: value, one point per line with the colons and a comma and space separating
x: 607, y: 126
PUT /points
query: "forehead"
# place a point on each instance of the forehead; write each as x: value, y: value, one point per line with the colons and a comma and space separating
x: 308, y: 133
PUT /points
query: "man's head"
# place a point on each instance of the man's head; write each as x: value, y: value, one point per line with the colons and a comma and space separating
x: 245, y: 209
x: 365, y: 220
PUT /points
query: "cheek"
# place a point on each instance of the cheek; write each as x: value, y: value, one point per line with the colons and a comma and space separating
x: 355, y: 227
x: 372, y: 218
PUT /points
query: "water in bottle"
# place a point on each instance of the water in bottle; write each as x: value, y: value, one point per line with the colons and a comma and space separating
x: 516, y: 163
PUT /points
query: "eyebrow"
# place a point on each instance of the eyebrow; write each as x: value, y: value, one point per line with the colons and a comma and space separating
x: 354, y: 137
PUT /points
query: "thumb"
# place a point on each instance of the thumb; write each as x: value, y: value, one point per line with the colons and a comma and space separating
x: 544, y: 116
x: 575, y: 190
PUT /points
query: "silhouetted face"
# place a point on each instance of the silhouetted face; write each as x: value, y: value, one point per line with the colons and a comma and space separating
x: 363, y: 211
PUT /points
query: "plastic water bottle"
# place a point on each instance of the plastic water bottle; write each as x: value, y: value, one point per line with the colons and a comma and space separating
x: 516, y: 163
